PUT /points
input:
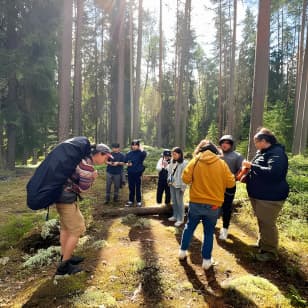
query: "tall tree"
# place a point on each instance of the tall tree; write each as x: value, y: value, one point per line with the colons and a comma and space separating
x: 260, y: 71
x: 77, y: 93
x: 136, y: 119
x: 231, y: 105
x: 65, y: 71
x: 160, y: 75
x: 299, y: 78
x: 121, y: 65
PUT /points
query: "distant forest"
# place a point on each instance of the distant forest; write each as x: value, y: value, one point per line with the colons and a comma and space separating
x: 106, y: 69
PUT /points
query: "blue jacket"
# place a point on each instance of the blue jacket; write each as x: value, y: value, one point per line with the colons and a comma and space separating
x: 267, y: 177
x: 136, y: 158
x: 117, y: 157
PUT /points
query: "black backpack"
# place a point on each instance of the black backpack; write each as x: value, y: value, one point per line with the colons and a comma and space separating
x: 46, y: 185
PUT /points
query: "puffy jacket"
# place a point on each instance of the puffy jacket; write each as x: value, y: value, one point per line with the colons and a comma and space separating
x: 209, y: 176
x: 267, y: 177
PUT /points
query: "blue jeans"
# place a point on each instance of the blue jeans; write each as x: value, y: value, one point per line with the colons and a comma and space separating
x: 208, y: 216
x: 177, y: 196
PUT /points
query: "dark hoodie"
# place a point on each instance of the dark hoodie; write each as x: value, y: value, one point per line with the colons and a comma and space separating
x: 267, y: 177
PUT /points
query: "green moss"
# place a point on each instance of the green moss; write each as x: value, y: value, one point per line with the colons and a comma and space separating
x: 254, y: 291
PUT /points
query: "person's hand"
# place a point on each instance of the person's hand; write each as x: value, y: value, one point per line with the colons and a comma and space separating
x: 246, y: 164
x: 95, y: 174
x: 165, y: 163
x: 129, y: 164
x: 115, y: 163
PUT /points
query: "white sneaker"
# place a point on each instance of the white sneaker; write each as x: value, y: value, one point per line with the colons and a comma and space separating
x: 207, y: 263
x: 223, y: 234
x: 139, y: 204
x: 172, y: 218
x: 178, y: 223
x: 129, y: 204
x: 182, y: 254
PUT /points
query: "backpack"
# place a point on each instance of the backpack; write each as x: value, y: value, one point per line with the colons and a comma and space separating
x: 46, y: 185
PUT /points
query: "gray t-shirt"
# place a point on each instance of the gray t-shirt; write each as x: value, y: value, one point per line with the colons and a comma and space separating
x: 234, y: 160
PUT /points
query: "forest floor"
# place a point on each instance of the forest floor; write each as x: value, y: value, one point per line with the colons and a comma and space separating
x: 137, y: 266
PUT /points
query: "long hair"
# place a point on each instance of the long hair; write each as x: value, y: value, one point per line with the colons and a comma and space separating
x: 179, y: 151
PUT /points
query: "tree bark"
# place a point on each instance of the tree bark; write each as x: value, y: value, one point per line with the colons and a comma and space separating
x: 297, y: 109
x: 138, y: 73
x: 77, y: 94
x: 231, y: 105
x: 65, y: 72
x: 260, y: 72
x: 160, y: 81
x: 121, y: 75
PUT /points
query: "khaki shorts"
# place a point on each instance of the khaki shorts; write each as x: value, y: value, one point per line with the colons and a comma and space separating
x: 71, y: 219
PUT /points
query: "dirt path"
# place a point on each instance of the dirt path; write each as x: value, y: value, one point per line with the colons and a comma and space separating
x: 138, y: 267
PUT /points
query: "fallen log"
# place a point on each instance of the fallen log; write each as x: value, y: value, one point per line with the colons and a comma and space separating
x: 150, y: 210
x: 139, y: 211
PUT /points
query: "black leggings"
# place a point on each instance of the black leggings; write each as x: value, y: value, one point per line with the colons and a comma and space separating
x: 227, y: 206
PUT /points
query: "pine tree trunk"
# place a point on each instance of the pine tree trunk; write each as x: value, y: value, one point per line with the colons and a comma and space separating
x: 231, y: 105
x: 297, y: 109
x: 77, y: 94
x: 160, y: 82
x: 65, y: 72
x: 138, y: 73
x: 121, y: 75
x: 260, y: 72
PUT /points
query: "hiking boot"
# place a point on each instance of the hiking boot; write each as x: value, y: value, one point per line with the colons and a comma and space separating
x: 207, y: 263
x: 106, y: 202
x: 182, y: 254
x: 223, y: 234
x: 66, y: 268
x: 172, y: 218
x: 266, y: 256
x: 129, y: 204
x: 139, y: 204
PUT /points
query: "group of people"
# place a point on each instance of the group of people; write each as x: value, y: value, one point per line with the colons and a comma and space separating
x: 211, y: 176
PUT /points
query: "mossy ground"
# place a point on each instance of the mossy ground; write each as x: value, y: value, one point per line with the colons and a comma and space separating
x: 137, y: 264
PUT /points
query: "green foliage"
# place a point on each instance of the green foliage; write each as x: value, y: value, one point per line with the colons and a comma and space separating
x: 16, y: 227
x: 43, y: 257
x: 278, y: 118
x: 212, y: 133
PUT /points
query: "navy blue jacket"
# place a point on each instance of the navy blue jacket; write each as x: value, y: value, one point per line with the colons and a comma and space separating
x: 117, y: 157
x: 136, y: 158
x: 267, y: 177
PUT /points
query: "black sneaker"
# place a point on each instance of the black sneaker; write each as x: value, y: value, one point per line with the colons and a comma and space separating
x: 74, y: 260
x: 66, y: 268
x: 106, y: 202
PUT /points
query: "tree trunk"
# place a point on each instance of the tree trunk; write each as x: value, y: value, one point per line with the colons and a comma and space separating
x: 220, y: 109
x: 10, y: 109
x: 121, y: 75
x: 301, y: 127
x: 77, y: 95
x: 138, y: 73
x: 260, y: 72
x: 231, y: 105
x: 160, y: 81
x: 65, y: 72
x: 297, y: 109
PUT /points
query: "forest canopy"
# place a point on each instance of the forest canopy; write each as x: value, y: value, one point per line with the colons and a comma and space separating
x: 118, y: 69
